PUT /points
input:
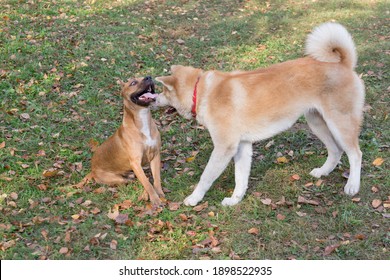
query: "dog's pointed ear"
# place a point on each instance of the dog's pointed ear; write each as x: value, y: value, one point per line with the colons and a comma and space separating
x: 167, y: 81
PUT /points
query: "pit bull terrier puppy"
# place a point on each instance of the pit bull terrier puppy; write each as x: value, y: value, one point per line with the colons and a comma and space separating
x: 136, y: 143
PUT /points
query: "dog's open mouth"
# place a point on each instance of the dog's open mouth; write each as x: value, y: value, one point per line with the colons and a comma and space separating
x: 148, y: 95
x: 145, y: 97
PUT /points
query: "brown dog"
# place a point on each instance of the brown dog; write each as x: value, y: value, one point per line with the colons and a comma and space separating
x: 135, y: 143
x: 240, y: 107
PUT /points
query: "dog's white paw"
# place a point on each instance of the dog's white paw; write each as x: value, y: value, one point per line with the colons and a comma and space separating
x: 317, y: 172
x: 230, y: 201
x: 192, y: 200
x: 351, y: 189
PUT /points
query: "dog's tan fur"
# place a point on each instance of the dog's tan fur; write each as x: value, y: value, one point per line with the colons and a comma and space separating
x: 240, y: 107
x: 135, y: 143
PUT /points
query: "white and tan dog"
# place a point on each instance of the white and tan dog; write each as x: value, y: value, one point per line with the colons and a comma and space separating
x: 240, y: 107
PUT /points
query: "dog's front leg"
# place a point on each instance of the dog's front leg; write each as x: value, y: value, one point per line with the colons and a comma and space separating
x: 155, y: 166
x: 139, y: 172
x: 218, y: 161
x: 242, y: 166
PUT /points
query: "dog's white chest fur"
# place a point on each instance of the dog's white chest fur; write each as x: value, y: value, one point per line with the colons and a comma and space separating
x: 145, y: 129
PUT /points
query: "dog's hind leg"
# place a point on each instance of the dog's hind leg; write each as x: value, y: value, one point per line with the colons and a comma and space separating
x: 321, y: 130
x: 345, y: 130
x: 219, y: 159
x: 242, y: 161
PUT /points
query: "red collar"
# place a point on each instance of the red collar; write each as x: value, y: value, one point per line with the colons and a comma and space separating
x: 193, y: 110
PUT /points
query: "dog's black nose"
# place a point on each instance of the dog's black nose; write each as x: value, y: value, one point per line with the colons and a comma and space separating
x: 148, y: 78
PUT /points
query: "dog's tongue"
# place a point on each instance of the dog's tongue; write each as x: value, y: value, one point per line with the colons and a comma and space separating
x: 147, y: 96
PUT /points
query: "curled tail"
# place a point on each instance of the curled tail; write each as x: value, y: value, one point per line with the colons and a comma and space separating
x: 331, y: 42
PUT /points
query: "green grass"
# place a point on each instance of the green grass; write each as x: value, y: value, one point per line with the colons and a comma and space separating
x: 59, y: 63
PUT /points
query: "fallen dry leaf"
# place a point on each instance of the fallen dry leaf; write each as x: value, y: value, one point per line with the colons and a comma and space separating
x: 280, y: 217
x: 173, y: 206
x: 95, y: 211
x: 330, y: 249
x: 113, y: 244
x: 376, y: 203
x: 303, y: 200
x: 374, y: 189
x: 6, y: 245
x: 201, y: 207
x: 2, y: 145
x: 281, y: 160
x: 301, y: 214
x: 44, y: 234
x: 254, y: 231
x: 378, y: 161
x: 356, y: 199
x: 63, y: 250
x: 50, y: 173
x: 360, y: 236
x: 295, y: 177
x: 266, y: 201
x: 67, y: 237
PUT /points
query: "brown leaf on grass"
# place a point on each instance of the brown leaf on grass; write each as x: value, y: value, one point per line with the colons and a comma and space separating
x: 330, y: 249
x: 376, y: 203
x: 295, y: 177
x: 126, y: 204
x: 378, y: 161
x: 335, y: 213
x: 63, y: 250
x: 42, y: 187
x: 303, y: 200
x: 2, y: 145
x: 266, y: 201
x: 360, y: 236
x: 356, y: 199
x: 254, y: 231
x: 44, y: 233
x: 282, y: 160
x: 374, y: 189
x: 319, y: 183
x: 301, y: 214
x: 191, y: 233
x: 173, y: 206
x: 67, y: 237
x: 95, y: 211
x: 100, y: 190
x: 201, y: 207
x: 75, y: 216
x: 234, y: 256
x: 280, y: 217
x: 113, y: 244
x: 122, y: 218
x: 50, y: 173
x: 13, y: 195
x: 183, y: 217
x: 7, y: 244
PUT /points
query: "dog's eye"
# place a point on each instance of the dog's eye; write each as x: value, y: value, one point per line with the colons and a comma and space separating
x: 133, y: 83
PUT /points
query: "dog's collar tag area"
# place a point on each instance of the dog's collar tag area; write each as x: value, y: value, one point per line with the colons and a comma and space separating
x: 193, y: 110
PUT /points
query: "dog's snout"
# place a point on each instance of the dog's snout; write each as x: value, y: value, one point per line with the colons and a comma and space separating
x: 148, y: 78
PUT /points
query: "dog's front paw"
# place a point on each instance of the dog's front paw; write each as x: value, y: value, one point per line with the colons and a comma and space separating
x: 317, y: 172
x: 230, y: 201
x: 351, y: 189
x: 192, y: 200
